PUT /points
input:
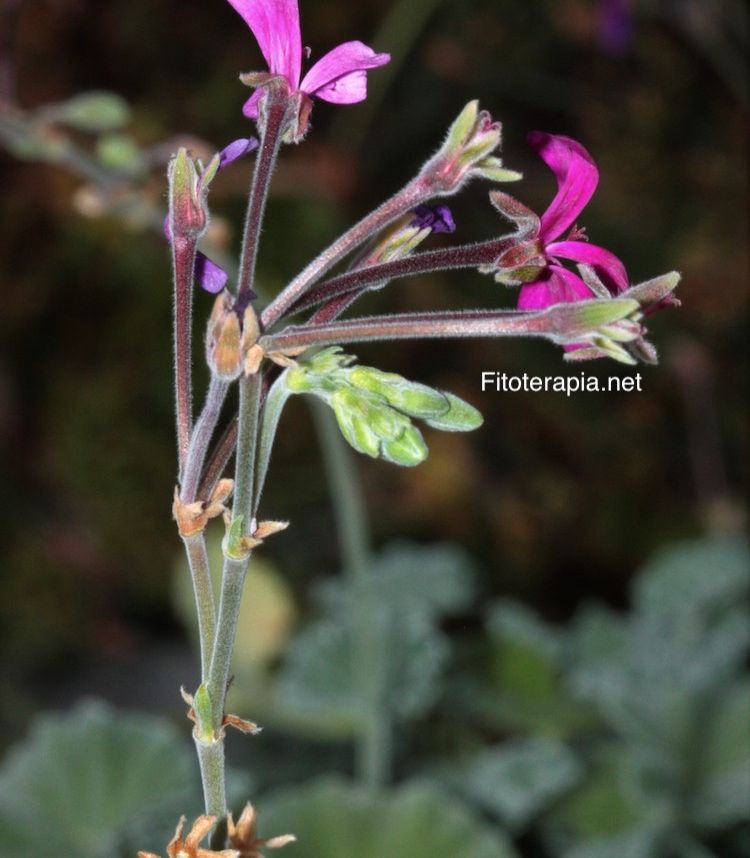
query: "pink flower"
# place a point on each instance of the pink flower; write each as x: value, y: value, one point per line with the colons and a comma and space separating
x: 339, y: 77
x: 577, y: 178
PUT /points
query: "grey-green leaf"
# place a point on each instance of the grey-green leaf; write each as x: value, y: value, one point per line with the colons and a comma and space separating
x: 521, y: 778
x: 336, y: 819
x: 89, y: 781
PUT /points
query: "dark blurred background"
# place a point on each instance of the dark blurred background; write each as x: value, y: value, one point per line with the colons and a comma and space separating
x: 558, y: 500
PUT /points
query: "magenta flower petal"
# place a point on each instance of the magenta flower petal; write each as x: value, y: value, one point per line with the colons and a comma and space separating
x: 236, y: 149
x: 559, y: 286
x: 275, y: 25
x: 577, y: 178
x: 212, y: 277
x: 250, y: 107
x: 340, y: 76
x: 604, y: 262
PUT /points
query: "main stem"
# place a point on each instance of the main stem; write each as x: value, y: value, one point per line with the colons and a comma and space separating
x: 210, y: 740
x: 369, y: 657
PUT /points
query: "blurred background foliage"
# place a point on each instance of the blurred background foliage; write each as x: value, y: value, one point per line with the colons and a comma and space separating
x: 525, y: 718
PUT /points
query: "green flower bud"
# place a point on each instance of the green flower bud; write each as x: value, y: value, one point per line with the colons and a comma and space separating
x: 299, y: 380
x: 408, y: 450
x: 416, y: 400
x: 387, y: 423
x: 354, y: 424
x: 460, y: 416
x: 467, y: 152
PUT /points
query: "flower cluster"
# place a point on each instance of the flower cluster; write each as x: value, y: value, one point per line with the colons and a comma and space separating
x: 571, y: 292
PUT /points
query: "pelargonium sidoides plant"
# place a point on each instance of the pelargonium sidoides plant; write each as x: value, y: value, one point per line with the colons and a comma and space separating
x: 295, y: 344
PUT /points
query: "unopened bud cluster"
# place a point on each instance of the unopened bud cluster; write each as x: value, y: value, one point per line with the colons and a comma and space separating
x: 468, y: 153
x: 374, y: 409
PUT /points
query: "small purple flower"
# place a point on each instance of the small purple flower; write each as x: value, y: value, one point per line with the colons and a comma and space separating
x: 436, y: 218
x: 236, y: 149
x: 212, y: 277
x: 577, y: 178
x: 340, y: 76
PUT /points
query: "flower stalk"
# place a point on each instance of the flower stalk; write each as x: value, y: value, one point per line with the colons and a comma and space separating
x: 560, y: 323
x: 277, y: 103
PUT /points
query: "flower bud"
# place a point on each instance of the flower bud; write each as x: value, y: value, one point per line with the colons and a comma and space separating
x: 467, y: 153
x: 188, y: 216
x: 229, y: 339
x: 460, y: 416
x: 656, y: 294
x: 416, y: 400
x: 224, y: 339
x: 352, y: 420
x: 408, y: 450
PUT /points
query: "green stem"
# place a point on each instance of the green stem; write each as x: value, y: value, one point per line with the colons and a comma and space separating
x: 200, y: 571
x: 234, y: 570
x: 211, y: 760
x: 369, y: 662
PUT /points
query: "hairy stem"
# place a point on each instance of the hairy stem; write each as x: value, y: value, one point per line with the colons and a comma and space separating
x: 183, y: 264
x: 211, y: 760
x: 200, y: 572
x: 234, y: 570
x: 369, y: 656
x: 219, y: 459
x: 205, y: 427
x: 276, y: 104
x: 358, y: 280
x: 471, y: 323
x: 415, y: 192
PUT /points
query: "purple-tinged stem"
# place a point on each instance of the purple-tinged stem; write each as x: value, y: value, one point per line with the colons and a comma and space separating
x: 183, y: 263
x: 276, y: 105
x: 219, y: 459
x: 409, y: 326
x: 205, y: 427
x: 352, y: 283
x: 417, y: 191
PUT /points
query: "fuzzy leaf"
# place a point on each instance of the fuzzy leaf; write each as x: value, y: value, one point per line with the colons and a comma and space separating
x: 90, y: 780
x: 521, y: 778
x: 335, y: 819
